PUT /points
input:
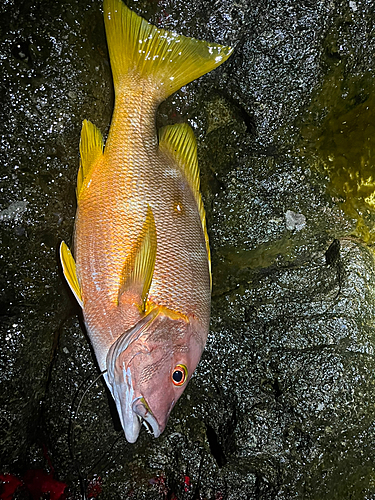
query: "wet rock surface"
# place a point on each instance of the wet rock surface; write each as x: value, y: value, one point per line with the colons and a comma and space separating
x: 281, y: 405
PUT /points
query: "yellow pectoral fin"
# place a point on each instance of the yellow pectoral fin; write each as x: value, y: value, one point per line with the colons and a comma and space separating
x: 69, y: 270
x: 167, y: 59
x: 179, y: 142
x: 91, y: 149
x: 138, y: 269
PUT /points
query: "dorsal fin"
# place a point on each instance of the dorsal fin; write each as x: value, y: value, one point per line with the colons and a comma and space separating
x: 138, y: 269
x: 167, y: 59
x: 69, y: 270
x: 91, y: 149
x: 179, y: 141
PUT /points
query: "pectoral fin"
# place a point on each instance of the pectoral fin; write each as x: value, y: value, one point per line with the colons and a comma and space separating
x: 138, y: 269
x: 69, y: 270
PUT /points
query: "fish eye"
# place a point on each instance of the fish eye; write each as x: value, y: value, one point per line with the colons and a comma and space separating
x: 179, y: 374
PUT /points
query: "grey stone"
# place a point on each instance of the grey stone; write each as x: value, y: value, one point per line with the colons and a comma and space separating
x: 281, y: 405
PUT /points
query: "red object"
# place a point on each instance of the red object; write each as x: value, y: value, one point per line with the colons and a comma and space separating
x: 94, y: 487
x: 187, y: 483
x: 9, y: 485
x: 38, y: 483
x: 161, y: 485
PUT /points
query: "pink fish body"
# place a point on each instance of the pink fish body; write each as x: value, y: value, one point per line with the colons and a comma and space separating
x: 142, y: 262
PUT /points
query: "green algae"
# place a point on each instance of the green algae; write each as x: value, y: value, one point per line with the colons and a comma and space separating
x: 262, y: 256
x: 243, y: 261
x: 343, y: 144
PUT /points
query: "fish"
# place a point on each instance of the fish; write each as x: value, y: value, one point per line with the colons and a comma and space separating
x: 141, y: 270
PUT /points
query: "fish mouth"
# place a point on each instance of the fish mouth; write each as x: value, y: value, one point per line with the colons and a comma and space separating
x: 142, y: 410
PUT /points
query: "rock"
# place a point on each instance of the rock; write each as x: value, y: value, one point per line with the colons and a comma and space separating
x: 294, y: 221
x: 281, y: 405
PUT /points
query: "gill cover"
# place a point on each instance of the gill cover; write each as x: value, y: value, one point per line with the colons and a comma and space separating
x: 120, y: 379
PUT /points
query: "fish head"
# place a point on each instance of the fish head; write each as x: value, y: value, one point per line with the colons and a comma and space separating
x: 149, y: 371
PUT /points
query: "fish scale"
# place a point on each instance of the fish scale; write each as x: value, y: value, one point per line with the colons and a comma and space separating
x: 142, y: 261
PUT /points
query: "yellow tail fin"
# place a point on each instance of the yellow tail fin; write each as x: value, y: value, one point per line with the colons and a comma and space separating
x: 139, y: 50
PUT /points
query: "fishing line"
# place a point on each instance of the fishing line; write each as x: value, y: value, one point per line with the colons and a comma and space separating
x: 110, y: 450
x: 72, y: 426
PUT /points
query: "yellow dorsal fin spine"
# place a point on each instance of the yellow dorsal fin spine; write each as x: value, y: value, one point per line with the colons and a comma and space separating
x: 179, y: 141
x: 169, y: 60
x: 138, y: 269
x: 69, y: 270
x: 90, y: 148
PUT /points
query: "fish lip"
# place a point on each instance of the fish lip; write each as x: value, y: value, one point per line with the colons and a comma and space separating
x: 123, y: 395
x: 132, y: 431
x: 141, y: 409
